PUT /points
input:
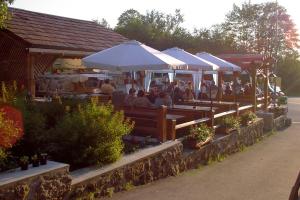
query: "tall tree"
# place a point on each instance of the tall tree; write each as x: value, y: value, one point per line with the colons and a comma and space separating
x: 4, y: 15
x: 262, y: 28
x: 102, y: 22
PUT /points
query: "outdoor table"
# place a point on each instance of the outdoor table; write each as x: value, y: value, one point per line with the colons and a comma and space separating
x: 198, y: 108
x: 172, y: 116
x: 214, y: 102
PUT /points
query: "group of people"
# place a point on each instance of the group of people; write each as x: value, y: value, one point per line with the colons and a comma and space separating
x: 140, y: 99
x: 174, y: 92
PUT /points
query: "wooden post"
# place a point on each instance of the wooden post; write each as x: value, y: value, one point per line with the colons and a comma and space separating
x: 254, y: 83
x: 266, y: 88
x: 237, y: 105
x: 211, y: 116
x: 171, y: 132
x: 30, y: 74
x: 235, y: 75
x: 220, y: 88
x: 162, y: 124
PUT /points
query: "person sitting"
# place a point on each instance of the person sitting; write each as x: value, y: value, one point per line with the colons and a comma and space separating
x: 188, y: 95
x: 130, y: 98
x: 247, y: 89
x: 107, y: 88
x: 152, y: 95
x: 203, y: 92
x: 177, y: 94
x: 228, y: 90
x: 163, y: 99
x: 141, y: 100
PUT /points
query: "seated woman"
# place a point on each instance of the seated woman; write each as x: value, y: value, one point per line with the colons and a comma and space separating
x: 163, y: 99
x: 188, y: 94
x: 141, y: 100
x: 130, y: 98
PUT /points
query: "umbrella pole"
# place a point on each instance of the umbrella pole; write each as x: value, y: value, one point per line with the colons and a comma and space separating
x: 173, y: 88
x: 211, y: 103
x: 132, y: 79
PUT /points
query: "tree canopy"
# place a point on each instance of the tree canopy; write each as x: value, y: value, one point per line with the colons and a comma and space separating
x: 264, y: 28
x: 4, y: 15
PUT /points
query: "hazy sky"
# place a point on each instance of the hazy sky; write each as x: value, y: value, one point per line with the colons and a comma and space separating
x: 197, y: 13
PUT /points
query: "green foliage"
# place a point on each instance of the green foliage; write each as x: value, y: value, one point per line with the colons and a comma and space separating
x: 200, y: 133
x: 110, y: 191
x: 128, y: 186
x: 4, y: 14
x: 282, y: 100
x: 230, y: 122
x: 248, y: 117
x: 24, y: 159
x: 254, y: 28
x: 91, y: 135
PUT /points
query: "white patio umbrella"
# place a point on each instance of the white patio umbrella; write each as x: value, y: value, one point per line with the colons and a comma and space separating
x: 223, y: 64
x: 132, y: 56
x: 194, y: 64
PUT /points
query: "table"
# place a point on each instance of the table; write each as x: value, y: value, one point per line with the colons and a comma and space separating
x: 214, y: 102
x: 197, y: 108
x: 172, y: 116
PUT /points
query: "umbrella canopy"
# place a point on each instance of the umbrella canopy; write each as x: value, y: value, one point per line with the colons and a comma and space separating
x: 194, y: 63
x: 224, y: 65
x: 132, y: 56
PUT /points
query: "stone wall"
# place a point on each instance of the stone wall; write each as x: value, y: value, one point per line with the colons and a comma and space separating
x: 47, y: 182
x: 53, y: 181
x: 169, y: 161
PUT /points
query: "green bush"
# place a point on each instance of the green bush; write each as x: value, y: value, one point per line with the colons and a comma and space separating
x: 248, y: 117
x: 92, y: 135
x: 200, y: 133
x: 282, y: 100
x: 230, y: 122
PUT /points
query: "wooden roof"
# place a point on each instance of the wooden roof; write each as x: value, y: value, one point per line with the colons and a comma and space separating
x: 246, y: 60
x: 54, y: 32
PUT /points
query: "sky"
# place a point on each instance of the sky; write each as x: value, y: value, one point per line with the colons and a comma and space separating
x: 197, y: 13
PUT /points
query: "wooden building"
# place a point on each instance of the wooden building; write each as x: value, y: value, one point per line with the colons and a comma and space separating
x: 33, y: 41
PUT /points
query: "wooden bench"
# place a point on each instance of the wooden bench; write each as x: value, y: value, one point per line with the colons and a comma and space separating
x: 148, y: 121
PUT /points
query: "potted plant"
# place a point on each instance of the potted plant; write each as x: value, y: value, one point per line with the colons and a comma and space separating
x: 43, y: 158
x: 24, y: 161
x: 247, y: 118
x: 199, y: 135
x: 229, y: 124
x: 35, y: 161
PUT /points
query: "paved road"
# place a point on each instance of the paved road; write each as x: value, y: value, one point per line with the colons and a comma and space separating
x: 264, y: 171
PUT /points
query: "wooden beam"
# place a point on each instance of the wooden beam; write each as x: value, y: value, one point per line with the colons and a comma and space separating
x: 30, y: 74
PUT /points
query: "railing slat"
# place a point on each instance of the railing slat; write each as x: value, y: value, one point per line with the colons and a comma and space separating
x: 190, y: 123
x: 224, y: 114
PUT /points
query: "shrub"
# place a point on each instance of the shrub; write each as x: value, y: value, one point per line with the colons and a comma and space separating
x: 230, y: 122
x: 10, y: 127
x: 92, y: 135
x: 248, y: 117
x: 200, y: 133
x: 282, y: 100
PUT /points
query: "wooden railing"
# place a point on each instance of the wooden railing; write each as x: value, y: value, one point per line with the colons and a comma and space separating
x: 154, y: 121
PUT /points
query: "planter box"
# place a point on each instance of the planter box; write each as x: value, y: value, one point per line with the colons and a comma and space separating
x: 225, y: 130
x: 193, y: 144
